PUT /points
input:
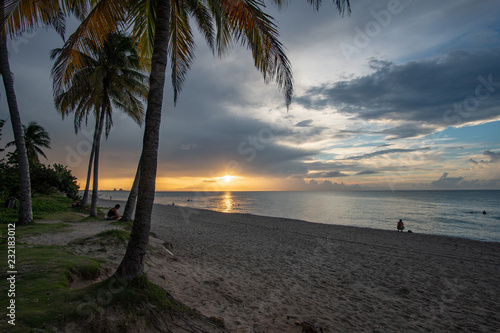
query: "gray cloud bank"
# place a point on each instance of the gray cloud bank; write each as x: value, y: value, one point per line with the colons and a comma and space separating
x: 422, y: 96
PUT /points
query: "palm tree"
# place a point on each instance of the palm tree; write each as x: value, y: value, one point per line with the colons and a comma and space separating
x: 35, y: 137
x: 110, y: 75
x: 25, y: 211
x: 163, y: 27
x: 132, y: 197
x: 17, y: 17
x: 242, y: 21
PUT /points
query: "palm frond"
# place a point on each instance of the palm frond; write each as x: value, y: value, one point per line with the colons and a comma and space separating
x: 142, y: 16
x: 105, y: 17
x: 343, y: 6
x: 27, y: 15
x: 253, y: 27
x: 204, y: 20
x: 181, y: 45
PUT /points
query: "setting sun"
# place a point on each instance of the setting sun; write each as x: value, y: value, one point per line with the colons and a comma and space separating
x: 227, y: 178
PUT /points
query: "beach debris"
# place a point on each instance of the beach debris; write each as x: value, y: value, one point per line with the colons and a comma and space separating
x: 169, y: 247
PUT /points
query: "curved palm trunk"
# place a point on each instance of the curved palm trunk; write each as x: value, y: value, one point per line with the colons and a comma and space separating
x: 132, y: 197
x: 25, y: 212
x: 85, y: 198
x: 132, y: 264
x: 97, y: 143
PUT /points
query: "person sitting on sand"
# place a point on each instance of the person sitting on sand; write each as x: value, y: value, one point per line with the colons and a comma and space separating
x: 400, y: 226
x: 113, y: 213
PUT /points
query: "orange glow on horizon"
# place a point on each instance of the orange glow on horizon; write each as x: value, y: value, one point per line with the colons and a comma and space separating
x: 205, y: 184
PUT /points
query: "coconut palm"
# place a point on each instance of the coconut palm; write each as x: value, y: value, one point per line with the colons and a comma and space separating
x: 110, y: 75
x: 242, y: 21
x: 132, y: 197
x: 17, y: 17
x: 163, y: 27
x: 35, y: 137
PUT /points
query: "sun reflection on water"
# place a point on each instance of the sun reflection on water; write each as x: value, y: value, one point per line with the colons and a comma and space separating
x: 227, y: 203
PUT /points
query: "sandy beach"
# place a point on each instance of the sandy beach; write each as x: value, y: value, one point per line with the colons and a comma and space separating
x: 263, y: 274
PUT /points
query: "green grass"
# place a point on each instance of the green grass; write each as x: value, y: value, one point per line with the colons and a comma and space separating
x: 41, y: 290
x: 49, y: 204
x: 121, y: 235
x: 42, y: 206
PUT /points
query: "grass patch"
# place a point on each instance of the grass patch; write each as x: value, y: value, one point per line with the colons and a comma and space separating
x: 121, y: 235
x: 41, y: 294
x: 41, y: 204
x: 48, y: 204
x: 8, y: 215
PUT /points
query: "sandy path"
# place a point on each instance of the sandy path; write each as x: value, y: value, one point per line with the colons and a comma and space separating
x: 76, y: 230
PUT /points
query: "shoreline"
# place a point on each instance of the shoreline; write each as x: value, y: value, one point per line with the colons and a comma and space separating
x: 263, y: 273
x: 112, y: 202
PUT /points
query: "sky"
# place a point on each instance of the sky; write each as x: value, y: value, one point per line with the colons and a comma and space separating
x: 399, y: 95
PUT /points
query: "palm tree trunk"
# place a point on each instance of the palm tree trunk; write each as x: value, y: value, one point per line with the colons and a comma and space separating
x: 25, y: 212
x: 97, y: 143
x: 132, y: 264
x: 89, y: 172
x: 132, y: 197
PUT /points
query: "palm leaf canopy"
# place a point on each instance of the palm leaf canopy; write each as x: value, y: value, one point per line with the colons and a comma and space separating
x: 110, y: 75
x: 35, y: 138
x: 221, y: 22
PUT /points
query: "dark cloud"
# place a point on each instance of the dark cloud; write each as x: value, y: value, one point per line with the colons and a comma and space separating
x: 329, y: 174
x: 447, y: 182
x: 367, y: 172
x: 461, y: 88
x: 494, y: 157
x: 385, y: 152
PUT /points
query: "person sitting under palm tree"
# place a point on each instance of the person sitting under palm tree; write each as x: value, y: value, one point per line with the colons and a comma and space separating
x: 113, y: 213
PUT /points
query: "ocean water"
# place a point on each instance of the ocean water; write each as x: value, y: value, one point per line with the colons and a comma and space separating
x: 449, y: 213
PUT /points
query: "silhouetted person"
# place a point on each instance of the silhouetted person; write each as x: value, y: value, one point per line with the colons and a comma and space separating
x: 113, y: 213
x: 400, y: 226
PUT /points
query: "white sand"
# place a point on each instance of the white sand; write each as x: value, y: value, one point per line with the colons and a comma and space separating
x: 263, y: 274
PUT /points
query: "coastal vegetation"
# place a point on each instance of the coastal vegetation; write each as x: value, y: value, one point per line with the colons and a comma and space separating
x: 58, y: 289
x: 43, y: 179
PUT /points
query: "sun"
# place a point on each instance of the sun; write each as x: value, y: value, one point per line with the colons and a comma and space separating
x: 227, y: 178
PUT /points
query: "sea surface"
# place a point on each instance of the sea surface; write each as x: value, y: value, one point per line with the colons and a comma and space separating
x: 449, y: 213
